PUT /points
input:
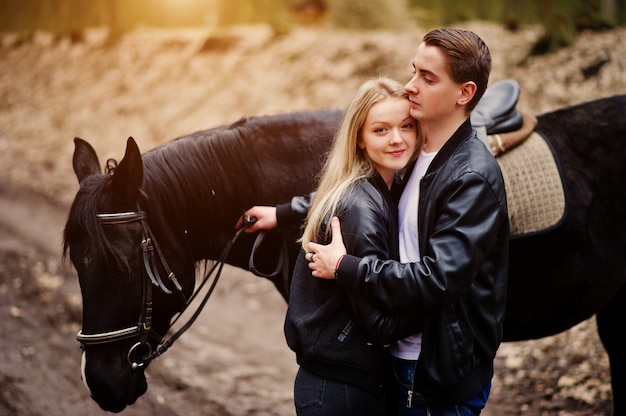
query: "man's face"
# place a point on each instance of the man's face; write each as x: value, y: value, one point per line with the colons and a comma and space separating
x: 432, y: 92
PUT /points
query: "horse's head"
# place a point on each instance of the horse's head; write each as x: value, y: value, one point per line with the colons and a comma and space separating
x: 109, y: 242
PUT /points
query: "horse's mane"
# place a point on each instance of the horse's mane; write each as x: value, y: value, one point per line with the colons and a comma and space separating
x: 189, y: 175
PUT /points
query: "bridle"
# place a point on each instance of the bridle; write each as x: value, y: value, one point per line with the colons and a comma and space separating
x: 152, y: 277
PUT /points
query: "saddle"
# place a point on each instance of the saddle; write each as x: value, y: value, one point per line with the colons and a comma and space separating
x: 535, y: 194
x: 500, y: 125
x: 497, y: 111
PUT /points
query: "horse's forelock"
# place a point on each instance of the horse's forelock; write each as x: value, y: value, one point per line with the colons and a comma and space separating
x: 83, y: 221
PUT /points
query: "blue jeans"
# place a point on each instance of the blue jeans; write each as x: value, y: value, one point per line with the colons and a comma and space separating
x: 317, y: 396
x: 400, y: 384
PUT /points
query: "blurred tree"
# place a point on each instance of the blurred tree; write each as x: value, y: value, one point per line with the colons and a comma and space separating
x: 613, y: 11
x: 272, y: 12
x: 563, y: 19
x: 559, y: 29
x: 450, y: 11
x: 308, y: 11
x: 560, y: 19
x: 368, y: 15
x: 118, y: 20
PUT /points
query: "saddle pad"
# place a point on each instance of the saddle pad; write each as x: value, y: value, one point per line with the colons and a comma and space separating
x: 534, y: 189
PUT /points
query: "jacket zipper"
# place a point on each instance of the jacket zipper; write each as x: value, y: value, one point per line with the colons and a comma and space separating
x: 409, y: 398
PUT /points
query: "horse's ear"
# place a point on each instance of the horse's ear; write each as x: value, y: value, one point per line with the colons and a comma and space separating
x: 128, y: 175
x: 85, y: 160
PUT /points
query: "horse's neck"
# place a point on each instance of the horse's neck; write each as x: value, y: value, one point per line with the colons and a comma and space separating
x: 226, y: 171
x: 198, y: 203
x: 199, y: 233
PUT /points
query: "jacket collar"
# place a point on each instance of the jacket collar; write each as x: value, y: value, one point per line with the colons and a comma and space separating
x: 381, y: 186
x: 460, y: 135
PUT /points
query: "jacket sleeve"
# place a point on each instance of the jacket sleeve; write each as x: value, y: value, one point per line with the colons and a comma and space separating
x: 294, y: 213
x: 462, y: 233
x: 382, y: 325
x: 365, y: 233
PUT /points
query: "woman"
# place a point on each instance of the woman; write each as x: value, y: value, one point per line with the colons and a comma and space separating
x: 339, y: 340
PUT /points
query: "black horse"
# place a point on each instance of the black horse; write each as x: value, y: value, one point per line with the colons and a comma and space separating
x: 188, y: 194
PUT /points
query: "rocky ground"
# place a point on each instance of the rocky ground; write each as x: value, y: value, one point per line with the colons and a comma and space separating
x: 159, y: 84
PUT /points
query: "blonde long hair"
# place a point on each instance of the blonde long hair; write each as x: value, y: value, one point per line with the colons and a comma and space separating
x: 346, y: 162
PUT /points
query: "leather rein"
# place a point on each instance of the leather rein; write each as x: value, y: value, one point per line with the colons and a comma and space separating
x: 152, y: 277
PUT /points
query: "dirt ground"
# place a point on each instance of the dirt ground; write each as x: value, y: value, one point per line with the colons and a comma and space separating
x: 157, y: 85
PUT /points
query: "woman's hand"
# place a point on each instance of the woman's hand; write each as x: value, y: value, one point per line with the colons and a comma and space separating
x: 265, y: 219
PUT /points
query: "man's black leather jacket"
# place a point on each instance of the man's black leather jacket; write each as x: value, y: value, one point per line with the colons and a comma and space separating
x: 457, y: 291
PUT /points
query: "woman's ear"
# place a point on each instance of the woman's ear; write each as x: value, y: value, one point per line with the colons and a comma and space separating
x: 466, y: 93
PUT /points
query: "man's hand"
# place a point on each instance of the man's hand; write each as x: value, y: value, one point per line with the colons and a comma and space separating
x: 323, y: 259
x: 266, y: 219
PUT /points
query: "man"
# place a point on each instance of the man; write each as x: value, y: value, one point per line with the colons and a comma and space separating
x: 453, y: 241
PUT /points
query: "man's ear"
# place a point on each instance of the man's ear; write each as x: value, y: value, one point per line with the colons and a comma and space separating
x: 466, y: 93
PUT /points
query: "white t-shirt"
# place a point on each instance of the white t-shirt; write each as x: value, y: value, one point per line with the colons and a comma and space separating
x: 409, y: 348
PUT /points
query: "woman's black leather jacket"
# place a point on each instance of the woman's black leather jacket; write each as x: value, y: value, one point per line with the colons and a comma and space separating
x: 333, y: 333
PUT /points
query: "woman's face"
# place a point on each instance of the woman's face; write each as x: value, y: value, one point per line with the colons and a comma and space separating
x: 389, y: 136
